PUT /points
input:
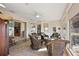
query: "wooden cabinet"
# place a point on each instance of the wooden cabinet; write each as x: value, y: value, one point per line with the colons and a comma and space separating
x: 17, y: 29
x: 3, y: 38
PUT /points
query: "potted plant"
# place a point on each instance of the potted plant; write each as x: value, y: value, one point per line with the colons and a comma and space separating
x: 55, y: 35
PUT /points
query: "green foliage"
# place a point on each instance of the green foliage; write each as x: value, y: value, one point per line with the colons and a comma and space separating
x: 55, y: 35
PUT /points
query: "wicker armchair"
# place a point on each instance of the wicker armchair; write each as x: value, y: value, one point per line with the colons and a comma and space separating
x: 35, y: 42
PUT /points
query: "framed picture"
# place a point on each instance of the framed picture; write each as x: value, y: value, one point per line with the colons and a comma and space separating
x: 54, y: 29
x: 59, y: 28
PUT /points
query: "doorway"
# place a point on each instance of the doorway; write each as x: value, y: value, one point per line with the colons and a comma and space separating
x: 39, y: 29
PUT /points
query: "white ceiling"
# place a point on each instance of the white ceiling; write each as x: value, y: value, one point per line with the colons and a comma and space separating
x: 47, y: 11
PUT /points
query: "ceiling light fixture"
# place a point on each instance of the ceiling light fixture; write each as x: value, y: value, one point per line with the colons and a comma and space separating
x: 1, y: 5
x: 37, y: 16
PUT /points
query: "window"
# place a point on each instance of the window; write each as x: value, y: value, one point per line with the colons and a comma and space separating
x: 45, y: 27
x: 74, y: 31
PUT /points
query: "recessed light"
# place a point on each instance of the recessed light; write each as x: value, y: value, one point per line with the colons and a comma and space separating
x: 2, y: 5
x: 37, y: 16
